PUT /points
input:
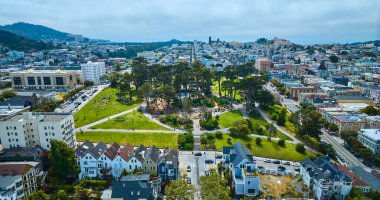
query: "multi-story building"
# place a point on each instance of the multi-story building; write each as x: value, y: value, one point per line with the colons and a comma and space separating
x: 245, y: 178
x: 371, y: 139
x: 44, y: 80
x: 150, y: 162
x: 168, y: 165
x: 19, y: 179
x: 294, y: 91
x: 30, y: 129
x: 93, y: 71
x: 349, y: 122
x: 326, y: 181
x: 263, y: 64
x: 372, y: 122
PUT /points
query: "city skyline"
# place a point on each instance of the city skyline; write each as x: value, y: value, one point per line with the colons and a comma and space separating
x: 304, y: 22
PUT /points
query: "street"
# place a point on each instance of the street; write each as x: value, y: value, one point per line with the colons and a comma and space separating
x: 290, y: 104
x: 350, y: 159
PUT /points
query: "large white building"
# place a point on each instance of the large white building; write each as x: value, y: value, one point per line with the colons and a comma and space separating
x: 92, y: 71
x: 29, y: 129
x: 371, y: 139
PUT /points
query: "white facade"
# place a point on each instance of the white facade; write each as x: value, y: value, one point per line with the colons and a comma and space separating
x: 92, y: 71
x: 29, y: 129
x: 371, y: 139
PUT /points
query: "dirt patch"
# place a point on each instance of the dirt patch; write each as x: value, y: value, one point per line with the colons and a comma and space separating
x: 283, y: 186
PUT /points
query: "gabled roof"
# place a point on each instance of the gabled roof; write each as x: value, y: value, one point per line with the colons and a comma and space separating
x: 112, y: 151
x: 356, y: 180
x: 84, y: 148
x: 125, y: 152
x: 132, y: 190
x: 140, y: 152
x: 238, y: 153
x: 153, y: 153
x: 169, y: 155
x: 98, y: 150
x: 11, y: 169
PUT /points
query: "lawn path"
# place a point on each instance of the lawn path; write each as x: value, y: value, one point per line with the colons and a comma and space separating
x: 131, y: 131
x: 295, y: 140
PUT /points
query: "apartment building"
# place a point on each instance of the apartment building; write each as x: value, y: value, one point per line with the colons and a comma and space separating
x: 61, y: 80
x: 93, y: 71
x: 19, y: 179
x: 371, y: 139
x: 245, y: 178
x: 263, y: 64
x: 349, y: 122
x: 30, y: 129
x: 295, y: 91
x: 325, y: 180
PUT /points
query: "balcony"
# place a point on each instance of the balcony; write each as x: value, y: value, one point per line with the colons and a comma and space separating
x: 253, y: 173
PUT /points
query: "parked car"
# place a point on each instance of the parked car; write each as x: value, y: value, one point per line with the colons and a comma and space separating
x: 281, y: 168
x: 268, y: 160
x: 219, y: 156
x: 188, y: 168
x: 286, y: 163
x: 260, y: 167
x: 276, y: 162
x: 297, y: 169
x: 209, y: 161
x: 198, y: 154
x: 188, y: 180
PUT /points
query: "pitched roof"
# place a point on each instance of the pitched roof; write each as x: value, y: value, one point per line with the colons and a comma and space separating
x: 356, y: 180
x: 98, y: 150
x: 140, y: 152
x: 84, y: 148
x: 132, y: 190
x: 169, y: 155
x: 126, y: 151
x: 238, y: 153
x: 14, y: 169
x: 112, y: 151
x: 153, y: 153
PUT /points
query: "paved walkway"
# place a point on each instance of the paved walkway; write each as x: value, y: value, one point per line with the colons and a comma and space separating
x: 279, y: 128
x: 130, y: 131
x: 197, y: 134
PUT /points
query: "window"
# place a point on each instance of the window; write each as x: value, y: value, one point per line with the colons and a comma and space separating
x: 59, y: 80
x: 31, y: 81
x: 17, y: 80
x: 39, y: 81
x: 47, y: 80
x: 249, y: 182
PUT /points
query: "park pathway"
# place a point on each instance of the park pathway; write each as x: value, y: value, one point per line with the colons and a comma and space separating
x: 279, y: 128
x: 197, y: 135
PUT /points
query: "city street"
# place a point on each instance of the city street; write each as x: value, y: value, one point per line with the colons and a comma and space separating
x: 350, y: 159
x: 292, y: 105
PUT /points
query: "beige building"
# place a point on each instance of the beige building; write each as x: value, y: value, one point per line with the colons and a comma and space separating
x: 149, y: 165
x: 44, y: 80
x: 263, y: 64
x: 295, y: 91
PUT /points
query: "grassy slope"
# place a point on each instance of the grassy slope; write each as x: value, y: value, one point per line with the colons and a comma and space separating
x: 268, y: 149
x: 160, y: 140
x: 99, y: 107
x: 134, y: 120
x: 229, y: 118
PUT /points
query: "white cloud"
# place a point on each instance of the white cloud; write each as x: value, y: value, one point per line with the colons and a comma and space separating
x: 303, y: 21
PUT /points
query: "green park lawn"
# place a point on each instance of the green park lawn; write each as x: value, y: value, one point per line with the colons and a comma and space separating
x: 259, y: 121
x: 101, y: 106
x: 229, y: 118
x: 160, y: 140
x: 268, y: 149
x: 133, y: 120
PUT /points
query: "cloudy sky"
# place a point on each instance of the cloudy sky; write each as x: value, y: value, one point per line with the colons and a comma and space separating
x: 301, y: 21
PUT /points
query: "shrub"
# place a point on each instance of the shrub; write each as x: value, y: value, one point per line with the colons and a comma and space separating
x: 281, y: 143
x: 119, y: 119
x: 210, y: 124
x: 300, y: 148
x: 258, y: 141
x: 219, y: 135
x: 229, y: 141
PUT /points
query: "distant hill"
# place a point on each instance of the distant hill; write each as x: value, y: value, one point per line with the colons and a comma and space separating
x: 132, y: 48
x: 38, y: 32
x: 16, y: 42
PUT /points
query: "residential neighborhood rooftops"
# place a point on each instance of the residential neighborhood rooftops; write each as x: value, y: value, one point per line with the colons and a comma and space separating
x: 371, y: 133
x: 367, y: 177
x: 132, y: 190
